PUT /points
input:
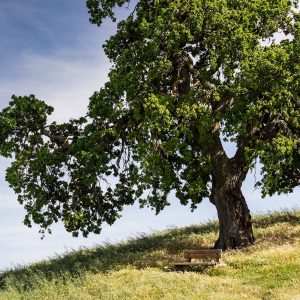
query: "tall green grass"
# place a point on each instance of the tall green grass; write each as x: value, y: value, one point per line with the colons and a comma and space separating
x: 141, y: 268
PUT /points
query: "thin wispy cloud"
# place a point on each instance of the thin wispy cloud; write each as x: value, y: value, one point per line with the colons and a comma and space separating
x: 60, y: 81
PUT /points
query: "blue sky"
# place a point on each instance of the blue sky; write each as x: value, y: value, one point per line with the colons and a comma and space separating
x: 48, y: 48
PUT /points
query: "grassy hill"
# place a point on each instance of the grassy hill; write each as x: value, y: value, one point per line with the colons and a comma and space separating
x: 141, y: 268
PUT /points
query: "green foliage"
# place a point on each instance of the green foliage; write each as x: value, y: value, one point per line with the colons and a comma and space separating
x: 100, y: 9
x: 141, y: 268
x: 179, y: 69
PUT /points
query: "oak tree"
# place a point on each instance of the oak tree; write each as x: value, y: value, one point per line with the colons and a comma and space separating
x: 185, y: 75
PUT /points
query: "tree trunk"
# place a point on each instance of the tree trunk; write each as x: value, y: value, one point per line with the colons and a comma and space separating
x: 235, y: 226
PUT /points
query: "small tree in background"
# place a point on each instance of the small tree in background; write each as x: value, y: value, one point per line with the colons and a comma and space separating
x: 184, y: 75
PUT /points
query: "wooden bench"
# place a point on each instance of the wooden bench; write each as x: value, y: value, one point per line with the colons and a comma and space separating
x: 213, y: 257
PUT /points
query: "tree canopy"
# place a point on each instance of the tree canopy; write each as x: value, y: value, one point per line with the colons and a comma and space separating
x: 184, y: 74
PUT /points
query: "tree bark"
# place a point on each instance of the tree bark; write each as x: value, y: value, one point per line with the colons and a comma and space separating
x: 235, y: 226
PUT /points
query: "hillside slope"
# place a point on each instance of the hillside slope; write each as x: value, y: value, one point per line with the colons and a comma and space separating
x: 142, y: 268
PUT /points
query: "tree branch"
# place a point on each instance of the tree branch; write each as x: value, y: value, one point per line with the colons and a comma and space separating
x: 61, y: 140
x: 225, y: 102
x: 217, y: 147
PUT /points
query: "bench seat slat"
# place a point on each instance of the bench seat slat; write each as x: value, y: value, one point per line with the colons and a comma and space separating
x: 202, y: 255
x: 197, y: 264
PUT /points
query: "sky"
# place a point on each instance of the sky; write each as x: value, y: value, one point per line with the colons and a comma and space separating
x: 49, y: 49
